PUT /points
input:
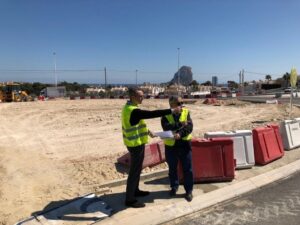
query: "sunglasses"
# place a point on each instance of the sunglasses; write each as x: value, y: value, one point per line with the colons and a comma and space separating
x: 180, y: 103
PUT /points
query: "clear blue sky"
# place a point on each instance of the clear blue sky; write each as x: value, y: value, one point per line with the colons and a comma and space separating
x: 215, y: 37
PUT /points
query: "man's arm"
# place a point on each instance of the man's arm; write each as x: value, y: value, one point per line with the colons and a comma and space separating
x: 138, y: 114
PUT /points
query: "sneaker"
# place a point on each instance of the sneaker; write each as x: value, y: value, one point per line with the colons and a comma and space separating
x: 140, y: 193
x: 135, y: 204
x: 173, y: 192
x: 189, y: 197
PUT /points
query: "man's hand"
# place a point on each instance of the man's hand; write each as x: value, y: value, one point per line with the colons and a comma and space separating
x: 151, y: 134
x: 177, y: 136
x: 183, y: 123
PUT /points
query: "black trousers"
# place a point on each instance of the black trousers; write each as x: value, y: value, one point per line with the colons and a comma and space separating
x: 137, y: 158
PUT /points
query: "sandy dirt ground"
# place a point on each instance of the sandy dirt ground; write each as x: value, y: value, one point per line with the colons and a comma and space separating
x: 57, y: 150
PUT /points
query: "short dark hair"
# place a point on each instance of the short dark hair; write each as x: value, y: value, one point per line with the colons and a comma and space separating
x: 132, y: 91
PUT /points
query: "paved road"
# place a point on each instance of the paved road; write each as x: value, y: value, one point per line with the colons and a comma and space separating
x: 276, y: 204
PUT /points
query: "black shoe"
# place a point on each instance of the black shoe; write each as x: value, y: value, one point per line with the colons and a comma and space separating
x: 189, y: 197
x: 140, y: 193
x: 173, y: 192
x: 135, y: 204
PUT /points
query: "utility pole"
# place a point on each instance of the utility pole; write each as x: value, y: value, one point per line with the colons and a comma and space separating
x: 136, y: 71
x: 178, y: 73
x: 55, y: 75
x: 243, y: 91
x: 105, y: 81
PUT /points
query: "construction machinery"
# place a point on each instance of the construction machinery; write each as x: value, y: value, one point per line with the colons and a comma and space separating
x: 11, y: 92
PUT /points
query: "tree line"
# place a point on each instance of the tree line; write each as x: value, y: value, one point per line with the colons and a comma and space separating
x: 36, y: 87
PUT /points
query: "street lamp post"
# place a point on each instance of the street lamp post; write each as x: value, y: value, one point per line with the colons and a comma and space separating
x: 136, y: 71
x: 55, y: 75
x: 178, y: 75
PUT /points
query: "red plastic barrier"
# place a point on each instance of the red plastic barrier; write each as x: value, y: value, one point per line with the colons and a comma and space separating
x: 161, y: 147
x: 154, y: 155
x: 41, y: 98
x: 212, y: 160
x: 124, y: 159
x: 267, y: 143
x: 210, y: 101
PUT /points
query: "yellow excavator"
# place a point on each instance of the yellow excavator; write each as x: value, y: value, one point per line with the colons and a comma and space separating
x: 11, y: 92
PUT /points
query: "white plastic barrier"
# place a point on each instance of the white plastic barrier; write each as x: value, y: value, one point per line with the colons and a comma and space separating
x: 296, y: 94
x: 273, y: 101
x: 242, y: 146
x: 290, y: 131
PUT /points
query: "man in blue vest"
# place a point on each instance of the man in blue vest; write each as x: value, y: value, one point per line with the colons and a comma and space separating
x: 179, y: 149
x: 135, y: 136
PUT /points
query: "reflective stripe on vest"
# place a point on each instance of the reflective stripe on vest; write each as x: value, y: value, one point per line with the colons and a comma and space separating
x: 183, y: 118
x: 133, y: 135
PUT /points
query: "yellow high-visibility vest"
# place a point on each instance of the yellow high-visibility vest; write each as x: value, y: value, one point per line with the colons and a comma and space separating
x: 183, y: 118
x: 133, y: 135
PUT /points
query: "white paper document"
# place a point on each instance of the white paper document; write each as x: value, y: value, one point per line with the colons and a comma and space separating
x: 164, y: 134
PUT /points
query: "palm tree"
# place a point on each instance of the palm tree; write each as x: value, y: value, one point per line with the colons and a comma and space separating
x: 286, y: 78
x: 268, y: 77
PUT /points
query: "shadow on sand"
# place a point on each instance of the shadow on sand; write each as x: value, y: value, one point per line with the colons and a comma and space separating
x: 88, y: 209
x: 53, y: 211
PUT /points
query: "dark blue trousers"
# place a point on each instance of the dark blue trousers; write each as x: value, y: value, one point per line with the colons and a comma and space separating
x: 183, y: 156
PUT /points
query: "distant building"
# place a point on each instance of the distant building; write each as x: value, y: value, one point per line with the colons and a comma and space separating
x: 175, y: 90
x: 152, y: 90
x: 95, y: 90
x: 214, y: 81
x: 118, y: 90
x: 200, y: 93
x: 54, y: 92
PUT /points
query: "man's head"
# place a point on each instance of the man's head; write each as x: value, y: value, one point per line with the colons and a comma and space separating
x: 136, y: 95
x: 175, y: 101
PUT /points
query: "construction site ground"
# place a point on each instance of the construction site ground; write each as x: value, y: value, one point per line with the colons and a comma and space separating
x: 53, y: 151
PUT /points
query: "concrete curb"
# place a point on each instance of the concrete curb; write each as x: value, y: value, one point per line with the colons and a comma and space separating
x: 163, y: 213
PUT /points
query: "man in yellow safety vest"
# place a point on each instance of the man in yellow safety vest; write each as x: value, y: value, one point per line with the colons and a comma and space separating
x: 135, y: 136
x: 179, y: 148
